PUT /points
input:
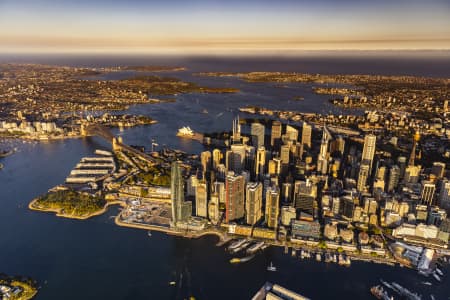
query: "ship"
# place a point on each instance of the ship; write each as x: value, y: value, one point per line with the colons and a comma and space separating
x: 402, y: 291
x: 255, y: 247
x: 271, y: 267
x: 436, y: 276
x: 236, y: 244
x: 242, y: 247
x: 237, y: 260
x: 185, y: 131
x: 380, y: 293
x: 318, y: 257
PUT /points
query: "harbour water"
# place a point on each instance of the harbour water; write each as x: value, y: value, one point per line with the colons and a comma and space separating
x: 95, y: 259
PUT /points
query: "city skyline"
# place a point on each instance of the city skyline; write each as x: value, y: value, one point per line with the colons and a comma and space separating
x: 219, y: 27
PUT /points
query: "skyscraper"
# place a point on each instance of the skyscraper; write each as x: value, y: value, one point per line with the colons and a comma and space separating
x: 370, y: 141
x: 284, y: 154
x: 216, y: 158
x: 201, y: 199
x: 272, y: 206
x: 292, y: 133
x: 412, y: 156
x: 394, y: 178
x: 253, y: 202
x: 234, y: 197
x: 236, y: 158
x: 322, y: 160
x: 275, y: 135
x: 260, y: 161
x: 257, y: 132
x: 181, y: 210
x: 444, y: 194
x: 363, y: 176
x: 306, y: 134
x: 236, y: 138
x: 427, y: 194
x: 205, y: 158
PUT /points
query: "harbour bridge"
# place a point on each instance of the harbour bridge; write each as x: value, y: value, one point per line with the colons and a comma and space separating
x: 93, y: 129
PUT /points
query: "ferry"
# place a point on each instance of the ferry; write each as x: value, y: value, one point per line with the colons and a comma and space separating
x: 236, y: 244
x: 380, y: 293
x: 271, y: 267
x: 405, y: 292
x: 236, y: 260
x: 318, y: 257
x: 185, y: 131
x: 255, y: 247
x: 242, y: 247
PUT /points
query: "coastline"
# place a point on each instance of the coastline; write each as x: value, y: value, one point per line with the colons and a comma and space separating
x: 62, y: 215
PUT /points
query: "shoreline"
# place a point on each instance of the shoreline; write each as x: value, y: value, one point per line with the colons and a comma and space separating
x: 222, y: 236
x: 58, y: 213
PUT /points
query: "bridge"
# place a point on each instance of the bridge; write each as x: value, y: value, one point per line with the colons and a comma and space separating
x: 93, y: 129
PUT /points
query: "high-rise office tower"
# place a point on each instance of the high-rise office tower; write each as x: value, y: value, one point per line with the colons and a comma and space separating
x: 444, y: 194
x: 363, y: 176
x: 286, y: 192
x: 322, y: 160
x: 201, y: 199
x: 438, y: 169
x: 236, y: 138
x: 234, y: 197
x: 427, y: 194
x: 213, y: 209
x: 272, y: 206
x: 216, y: 158
x: 401, y: 161
x: 253, y: 202
x: 219, y: 189
x: 305, y: 193
x: 205, y: 158
x: 236, y: 158
x: 412, y: 156
x: 306, y: 134
x: 370, y: 142
x: 275, y: 135
x: 257, y: 132
x: 284, y: 154
x: 338, y: 145
x: 394, y: 178
x: 260, y: 161
x: 181, y: 210
x: 292, y: 133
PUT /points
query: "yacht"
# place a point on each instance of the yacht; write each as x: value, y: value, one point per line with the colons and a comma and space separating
x: 271, y: 267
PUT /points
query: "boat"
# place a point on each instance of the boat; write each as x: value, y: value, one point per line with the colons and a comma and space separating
x: 236, y: 260
x: 255, y: 247
x: 149, y: 233
x: 439, y: 272
x: 242, y: 247
x: 236, y: 244
x: 318, y: 257
x: 185, y: 131
x: 436, y: 276
x: 380, y: 293
x: 204, y: 111
x: 426, y: 283
x: 432, y: 297
x: 271, y: 267
x: 386, y: 284
x: 402, y: 291
x: 172, y: 283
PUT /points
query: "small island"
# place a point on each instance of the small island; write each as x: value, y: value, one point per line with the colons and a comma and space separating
x: 70, y: 204
x: 17, y: 288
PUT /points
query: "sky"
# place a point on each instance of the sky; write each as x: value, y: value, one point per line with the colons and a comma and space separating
x: 213, y: 26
